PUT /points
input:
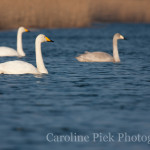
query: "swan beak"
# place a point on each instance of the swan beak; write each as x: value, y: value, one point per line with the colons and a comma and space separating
x: 26, y: 30
x: 48, y: 40
x: 121, y: 37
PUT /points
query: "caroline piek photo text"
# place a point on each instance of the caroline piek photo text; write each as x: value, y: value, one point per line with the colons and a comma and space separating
x: 99, y: 137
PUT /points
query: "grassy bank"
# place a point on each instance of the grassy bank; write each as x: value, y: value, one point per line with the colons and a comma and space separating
x: 70, y: 13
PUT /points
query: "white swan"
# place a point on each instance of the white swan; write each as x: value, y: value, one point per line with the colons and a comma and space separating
x: 102, y: 56
x: 7, y: 51
x: 21, y: 67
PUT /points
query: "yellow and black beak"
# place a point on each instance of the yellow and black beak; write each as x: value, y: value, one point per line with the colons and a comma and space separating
x: 26, y: 30
x: 48, y: 40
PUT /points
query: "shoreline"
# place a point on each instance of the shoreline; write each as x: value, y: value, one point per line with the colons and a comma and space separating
x: 93, y: 25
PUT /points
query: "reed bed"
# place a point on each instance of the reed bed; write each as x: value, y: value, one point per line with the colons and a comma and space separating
x: 44, y: 13
x: 70, y: 13
x: 135, y: 11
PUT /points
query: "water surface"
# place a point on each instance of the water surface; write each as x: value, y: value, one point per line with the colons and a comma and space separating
x: 77, y: 97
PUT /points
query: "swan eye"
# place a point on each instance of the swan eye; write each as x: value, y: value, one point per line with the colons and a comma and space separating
x: 26, y: 30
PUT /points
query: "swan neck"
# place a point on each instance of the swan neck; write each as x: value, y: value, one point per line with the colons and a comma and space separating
x: 115, y: 50
x: 19, y: 44
x: 39, y: 59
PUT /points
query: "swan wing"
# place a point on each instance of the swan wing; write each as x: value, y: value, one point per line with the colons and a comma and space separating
x: 95, y: 57
x: 17, y: 67
x: 7, y: 51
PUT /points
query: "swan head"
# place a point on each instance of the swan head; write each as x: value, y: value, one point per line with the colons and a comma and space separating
x: 42, y: 38
x: 119, y: 36
x: 22, y: 29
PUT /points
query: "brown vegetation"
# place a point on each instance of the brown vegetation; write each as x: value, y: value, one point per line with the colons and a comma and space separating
x: 70, y: 13
x: 44, y: 13
x: 121, y: 11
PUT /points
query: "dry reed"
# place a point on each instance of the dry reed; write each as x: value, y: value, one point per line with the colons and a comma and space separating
x: 121, y: 11
x: 70, y: 13
x: 44, y: 13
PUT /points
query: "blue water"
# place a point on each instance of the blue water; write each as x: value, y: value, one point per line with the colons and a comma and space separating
x: 81, y: 98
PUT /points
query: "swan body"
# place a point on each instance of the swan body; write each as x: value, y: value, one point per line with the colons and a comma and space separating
x: 95, y: 57
x: 22, y: 67
x: 7, y: 51
x: 102, y: 56
x: 17, y: 67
